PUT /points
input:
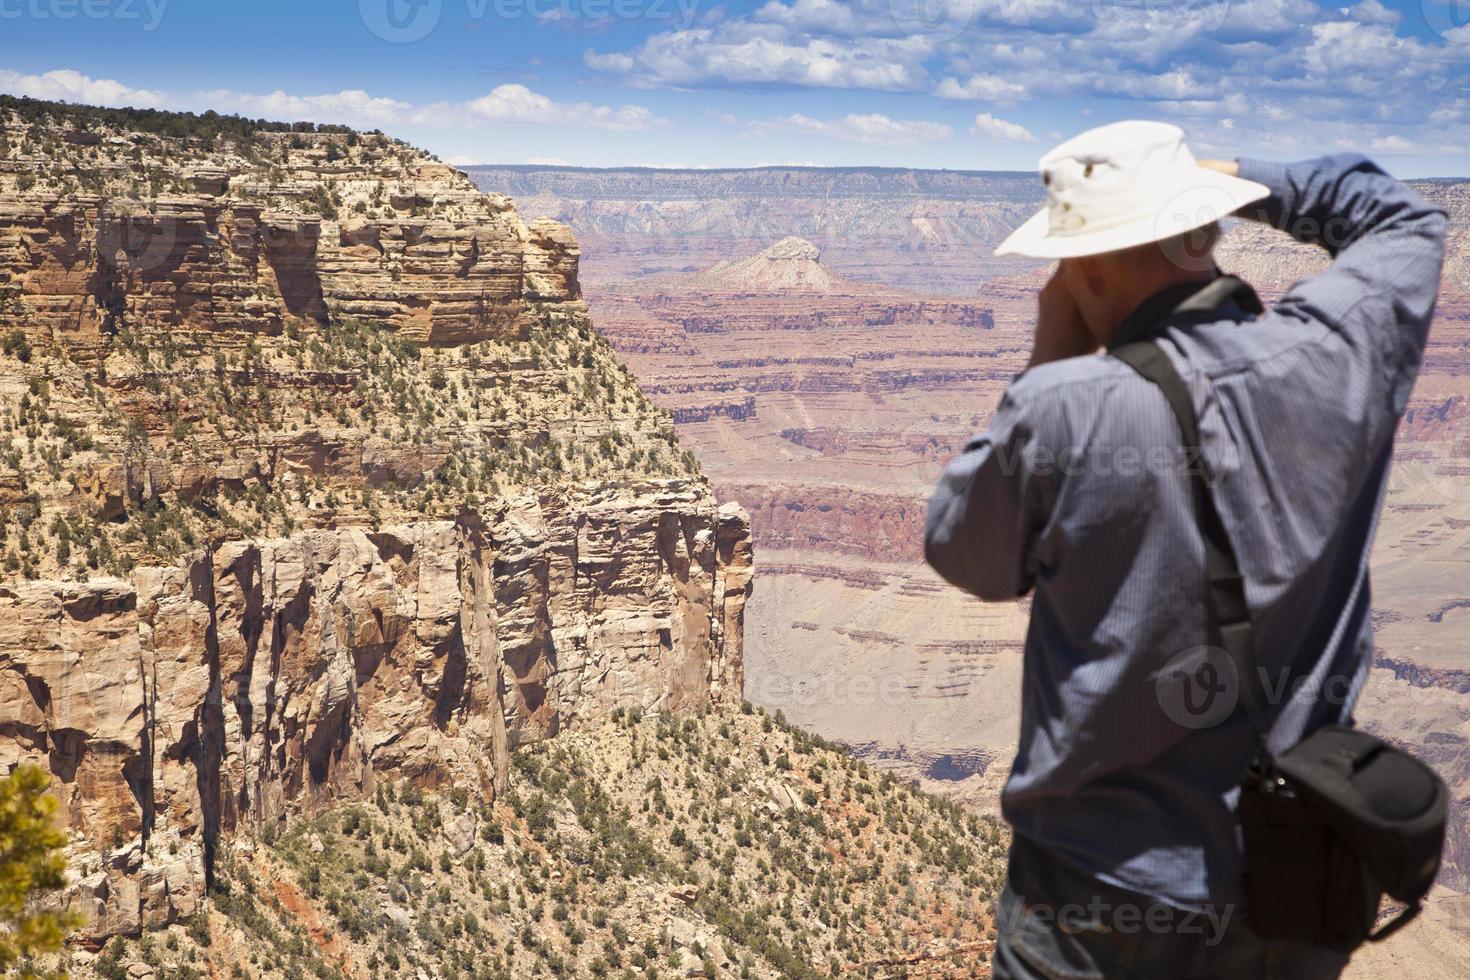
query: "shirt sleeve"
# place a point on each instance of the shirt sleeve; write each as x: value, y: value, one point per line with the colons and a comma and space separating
x: 987, y: 509
x: 1387, y: 245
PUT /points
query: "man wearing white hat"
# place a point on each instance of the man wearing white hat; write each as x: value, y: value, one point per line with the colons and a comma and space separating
x: 1122, y: 795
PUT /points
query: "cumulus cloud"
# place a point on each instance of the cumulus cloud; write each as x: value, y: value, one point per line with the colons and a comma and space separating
x: 872, y: 128
x: 991, y: 88
x: 1392, y: 144
x: 1278, y: 68
x: 518, y: 104
x: 352, y: 105
x: 823, y: 15
x: 1373, y: 12
x: 1000, y: 129
x: 747, y: 52
x: 505, y: 104
x: 66, y: 85
x: 1340, y: 47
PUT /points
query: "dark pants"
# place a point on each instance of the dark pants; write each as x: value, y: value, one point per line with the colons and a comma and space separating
x: 1056, y: 922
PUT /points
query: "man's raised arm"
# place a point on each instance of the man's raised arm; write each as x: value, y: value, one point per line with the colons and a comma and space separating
x: 989, y: 502
x: 1388, y: 247
x: 983, y: 513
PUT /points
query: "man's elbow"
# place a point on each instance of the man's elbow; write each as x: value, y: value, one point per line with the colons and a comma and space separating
x: 962, y: 563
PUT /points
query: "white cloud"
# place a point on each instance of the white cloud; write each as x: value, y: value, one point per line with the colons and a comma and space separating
x: 1000, y: 129
x: 72, y: 86
x: 1373, y: 12
x: 872, y: 128
x: 352, y: 105
x: 1345, y: 45
x: 609, y: 62
x: 518, y: 104
x: 991, y: 88
x: 548, y: 162
x: 1391, y: 144
x: 504, y: 104
x: 1279, y: 68
x: 745, y: 52
x: 823, y: 15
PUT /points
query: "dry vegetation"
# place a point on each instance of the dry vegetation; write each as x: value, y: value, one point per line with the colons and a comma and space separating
x: 478, y: 412
x: 723, y: 845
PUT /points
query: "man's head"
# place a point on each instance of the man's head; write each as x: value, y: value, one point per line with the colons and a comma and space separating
x: 1128, y: 211
x: 1108, y: 286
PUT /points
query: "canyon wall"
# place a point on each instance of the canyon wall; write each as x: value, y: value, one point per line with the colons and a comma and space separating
x: 931, y: 231
x: 445, y: 264
x: 269, y: 677
x: 314, y: 471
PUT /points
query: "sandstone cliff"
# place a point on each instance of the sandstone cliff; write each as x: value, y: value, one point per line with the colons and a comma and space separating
x: 269, y: 676
x: 313, y: 471
x: 204, y: 336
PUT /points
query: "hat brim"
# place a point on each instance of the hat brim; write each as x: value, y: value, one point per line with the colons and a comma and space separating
x: 1204, y: 198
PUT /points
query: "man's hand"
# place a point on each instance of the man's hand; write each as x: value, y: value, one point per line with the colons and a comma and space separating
x: 1060, y: 330
x: 1228, y: 167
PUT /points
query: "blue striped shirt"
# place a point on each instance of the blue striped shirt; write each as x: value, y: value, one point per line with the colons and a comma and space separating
x: 1076, y: 493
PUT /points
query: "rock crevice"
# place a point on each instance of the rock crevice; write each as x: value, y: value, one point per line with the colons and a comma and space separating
x: 260, y: 678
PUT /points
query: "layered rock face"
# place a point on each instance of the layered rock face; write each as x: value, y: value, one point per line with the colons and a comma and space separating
x: 269, y: 677
x: 314, y: 471
x: 209, y: 336
x: 926, y: 230
x: 440, y: 264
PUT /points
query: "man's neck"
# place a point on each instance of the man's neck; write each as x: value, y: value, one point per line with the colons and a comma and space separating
x: 1153, y: 305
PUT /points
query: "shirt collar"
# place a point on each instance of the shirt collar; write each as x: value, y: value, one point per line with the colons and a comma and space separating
x: 1197, y: 296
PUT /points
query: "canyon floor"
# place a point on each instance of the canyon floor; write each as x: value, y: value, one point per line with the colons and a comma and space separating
x: 826, y: 339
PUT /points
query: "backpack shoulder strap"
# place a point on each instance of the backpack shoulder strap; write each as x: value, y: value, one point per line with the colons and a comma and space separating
x: 1228, y: 617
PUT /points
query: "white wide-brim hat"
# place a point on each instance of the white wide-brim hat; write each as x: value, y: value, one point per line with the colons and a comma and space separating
x: 1121, y: 185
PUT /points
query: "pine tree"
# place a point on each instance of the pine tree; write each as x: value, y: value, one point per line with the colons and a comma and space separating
x: 32, y: 865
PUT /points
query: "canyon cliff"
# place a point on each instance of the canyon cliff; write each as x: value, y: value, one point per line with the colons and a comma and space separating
x: 315, y: 474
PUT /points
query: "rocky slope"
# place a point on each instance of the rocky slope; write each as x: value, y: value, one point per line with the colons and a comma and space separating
x: 722, y: 845
x: 314, y: 474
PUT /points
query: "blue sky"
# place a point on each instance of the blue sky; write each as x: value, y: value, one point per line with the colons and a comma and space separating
x: 982, y: 84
